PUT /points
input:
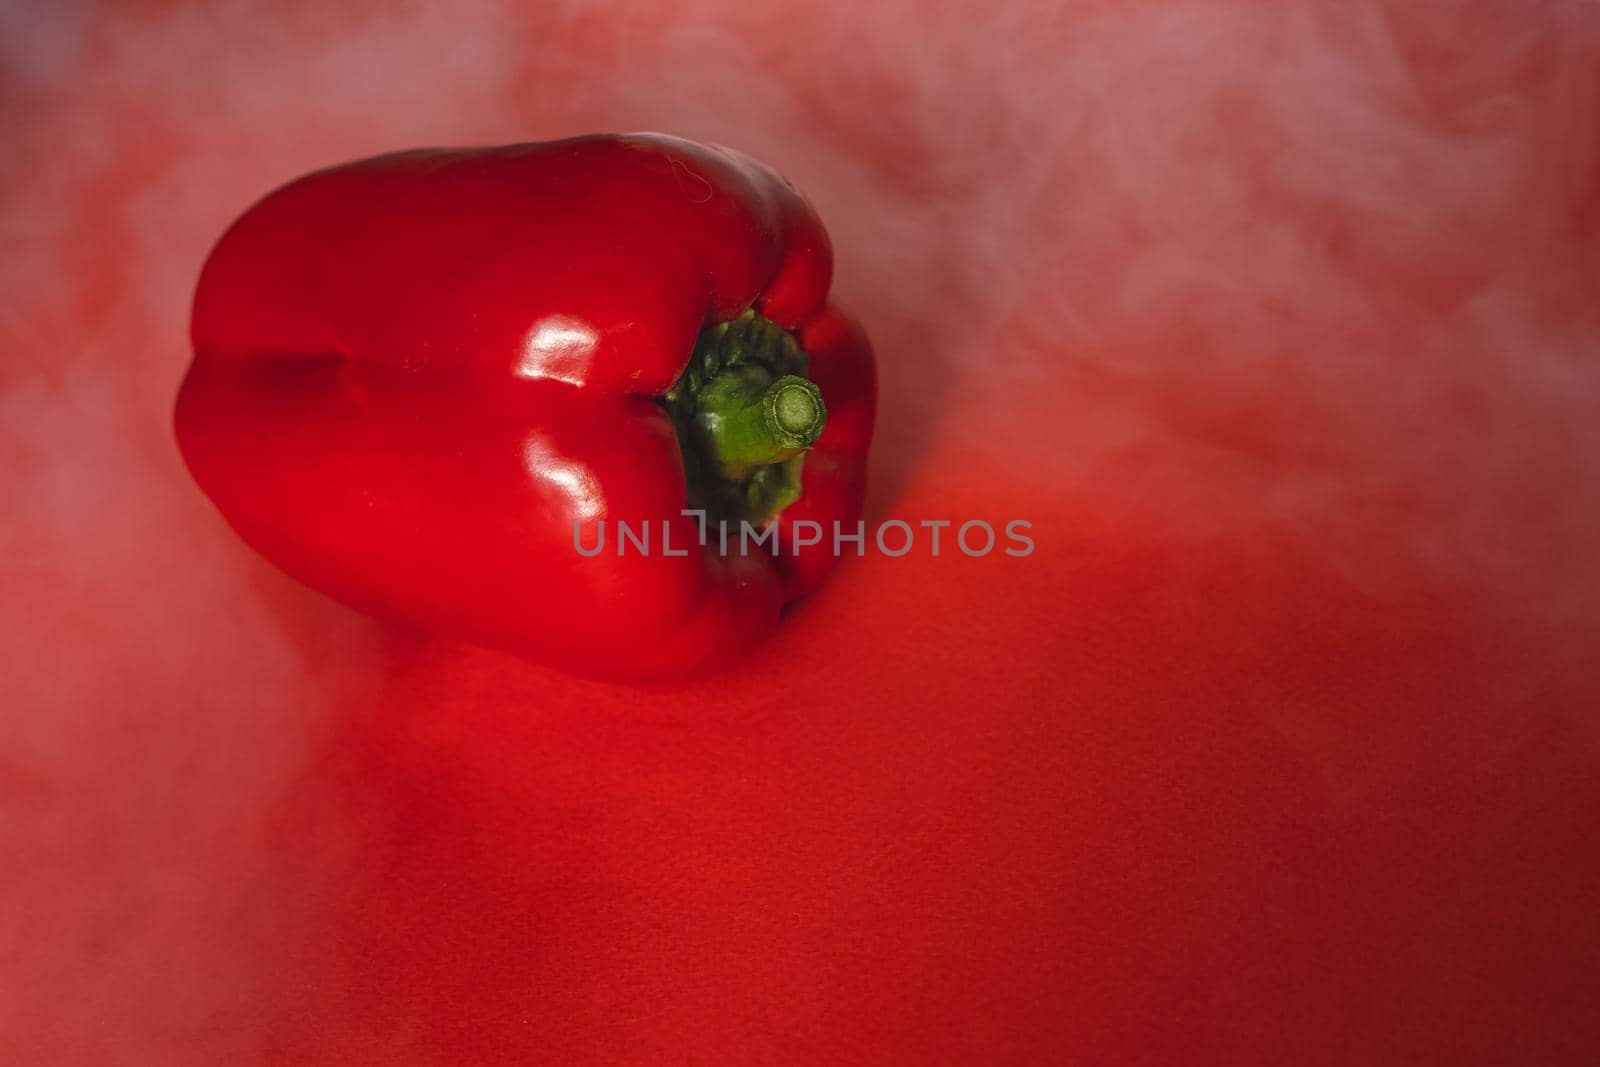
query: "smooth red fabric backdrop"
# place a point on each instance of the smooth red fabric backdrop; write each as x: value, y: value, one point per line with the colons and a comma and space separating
x: 1277, y: 320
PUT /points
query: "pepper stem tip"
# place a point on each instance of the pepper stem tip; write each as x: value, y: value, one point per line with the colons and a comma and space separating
x: 797, y: 412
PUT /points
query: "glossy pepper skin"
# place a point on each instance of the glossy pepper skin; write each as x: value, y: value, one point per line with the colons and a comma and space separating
x: 415, y: 374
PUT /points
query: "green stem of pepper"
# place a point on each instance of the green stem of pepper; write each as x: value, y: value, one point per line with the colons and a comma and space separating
x: 745, y: 419
x: 745, y: 413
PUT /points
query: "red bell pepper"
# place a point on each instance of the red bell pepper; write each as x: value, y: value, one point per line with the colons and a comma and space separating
x: 414, y: 375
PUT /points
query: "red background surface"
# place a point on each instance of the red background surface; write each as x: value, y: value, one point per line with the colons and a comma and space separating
x: 1278, y: 321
